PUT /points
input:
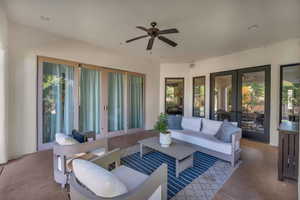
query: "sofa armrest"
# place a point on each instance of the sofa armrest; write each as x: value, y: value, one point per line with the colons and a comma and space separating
x: 235, y: 140
x: 235, y: 147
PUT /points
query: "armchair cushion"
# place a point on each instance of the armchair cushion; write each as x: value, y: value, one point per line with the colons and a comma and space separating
x: 131, y: 178
x: 97, y: 179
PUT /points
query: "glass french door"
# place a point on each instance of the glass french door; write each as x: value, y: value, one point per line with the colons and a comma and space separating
x: 243, y: 96
x: 223, y: 96
x: 254, y: 102
x: 135, y: 101
x: 90, y: 100
x: 56, y: 101
x: 115, y: 101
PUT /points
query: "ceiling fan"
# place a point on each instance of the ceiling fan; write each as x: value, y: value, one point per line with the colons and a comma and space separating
x: 154, y: 32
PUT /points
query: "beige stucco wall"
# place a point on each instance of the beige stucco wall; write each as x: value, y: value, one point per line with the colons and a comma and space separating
x: 277, y: 54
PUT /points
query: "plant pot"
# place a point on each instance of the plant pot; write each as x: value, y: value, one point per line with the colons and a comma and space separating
x: 165, y: 139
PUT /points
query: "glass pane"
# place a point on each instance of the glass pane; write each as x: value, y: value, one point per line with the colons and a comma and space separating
x: 290, y: 93
x: 115, y: 101
x: 135, y: 101
x: 58, y: 100
x: 199, y: 97
x: 253, y: 102
x: 89, y: 110
x: 223, y: 97
x: 174, y: 95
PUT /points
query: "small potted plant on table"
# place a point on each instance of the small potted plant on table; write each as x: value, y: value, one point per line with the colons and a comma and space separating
x: 162, y: 127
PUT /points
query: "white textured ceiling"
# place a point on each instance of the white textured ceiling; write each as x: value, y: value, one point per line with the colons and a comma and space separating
x: 207, y: 27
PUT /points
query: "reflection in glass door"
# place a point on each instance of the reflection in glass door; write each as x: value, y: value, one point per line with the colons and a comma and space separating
x: 253, y: 102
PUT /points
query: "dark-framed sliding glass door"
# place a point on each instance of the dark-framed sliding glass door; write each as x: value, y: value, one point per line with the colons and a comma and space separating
x: 253, y: 101
x: 244, y: 96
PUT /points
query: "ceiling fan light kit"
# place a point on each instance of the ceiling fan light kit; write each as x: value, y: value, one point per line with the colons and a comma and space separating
x: 153, y: 33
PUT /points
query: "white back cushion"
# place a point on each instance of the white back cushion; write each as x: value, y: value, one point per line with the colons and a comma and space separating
x: 64, y: 139
x: 191, y: 123
x: 210, y: 127
x: 97, y: 179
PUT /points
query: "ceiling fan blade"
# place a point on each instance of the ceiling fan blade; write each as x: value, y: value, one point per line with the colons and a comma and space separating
x: 140, y: 37
x: 142, y: 28
x: 150, y: 43
x: 168, y: 31
x: 166, y: 40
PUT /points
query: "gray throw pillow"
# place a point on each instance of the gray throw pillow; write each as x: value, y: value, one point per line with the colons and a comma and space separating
x: 226, y: 131
x: 174, y: 122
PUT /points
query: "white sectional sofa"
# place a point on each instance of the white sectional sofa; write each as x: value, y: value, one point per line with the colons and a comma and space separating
x: 201, y: 132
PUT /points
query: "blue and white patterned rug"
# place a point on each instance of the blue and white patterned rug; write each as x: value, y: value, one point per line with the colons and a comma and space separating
x: 151, y: 161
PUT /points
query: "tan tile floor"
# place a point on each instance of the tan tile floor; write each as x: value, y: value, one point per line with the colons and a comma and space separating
x: 31, y: 177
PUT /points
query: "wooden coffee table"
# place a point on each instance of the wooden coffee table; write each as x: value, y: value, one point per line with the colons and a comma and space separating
x: 183, y: 153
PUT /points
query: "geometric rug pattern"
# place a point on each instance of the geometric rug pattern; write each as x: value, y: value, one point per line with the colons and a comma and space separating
x: 208, y: 184
x: 183, y: 184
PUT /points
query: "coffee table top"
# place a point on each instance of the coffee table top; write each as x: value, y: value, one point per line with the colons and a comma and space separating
x: 176, y: 150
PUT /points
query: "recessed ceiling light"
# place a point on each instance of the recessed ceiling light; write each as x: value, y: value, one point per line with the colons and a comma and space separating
x: 253, y: 27
x: 45, y: 18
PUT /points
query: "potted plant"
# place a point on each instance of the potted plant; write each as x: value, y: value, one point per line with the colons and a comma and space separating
x: 162, y: 127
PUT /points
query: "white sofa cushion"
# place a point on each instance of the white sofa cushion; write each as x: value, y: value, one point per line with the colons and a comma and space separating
x: 97, y: 179
x: 125, y: 175
x: 191, y: 123
x: 130, y: 177
x: 210, y: 127
x: 63, y: 139
x: 202, y: 140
